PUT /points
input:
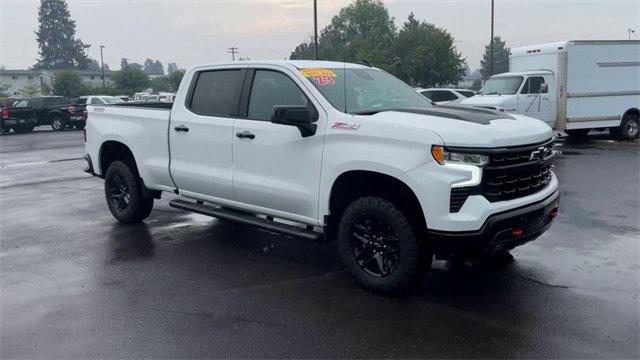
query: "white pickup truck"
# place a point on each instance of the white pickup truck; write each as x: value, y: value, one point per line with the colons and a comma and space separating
x: 333, y: 151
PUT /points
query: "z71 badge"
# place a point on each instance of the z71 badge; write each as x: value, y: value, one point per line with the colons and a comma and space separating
x: 345, y: 126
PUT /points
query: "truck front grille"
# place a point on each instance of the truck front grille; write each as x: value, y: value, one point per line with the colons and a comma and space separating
x: 510, y: 174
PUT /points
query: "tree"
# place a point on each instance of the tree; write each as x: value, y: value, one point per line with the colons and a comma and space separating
x: 500, y: 58
x: 161, y: 84
x: 101, y: 90
x: 31, y: 89
x: 171, y: 67
x: 94, y: 65
x: 153, y: 67
x: 67, y: 83
x: 175, y: 78
x: 364, y: 30
x: 130, y: 80
x: 3, y: 91
x: 426, y: 55
x: 59, y: 49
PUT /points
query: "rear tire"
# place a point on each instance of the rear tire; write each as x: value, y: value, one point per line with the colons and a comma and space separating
x: 4, y: 130
x: 629, y: 128
x: 123, y: 192
x: 57, y: 124
x: 380, y: 246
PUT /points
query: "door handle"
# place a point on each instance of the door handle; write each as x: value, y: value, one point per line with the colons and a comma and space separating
x: 245, y: 135
x: 181, y: 128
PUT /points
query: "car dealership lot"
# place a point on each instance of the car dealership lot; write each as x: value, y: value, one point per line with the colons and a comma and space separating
x: 77, y: 284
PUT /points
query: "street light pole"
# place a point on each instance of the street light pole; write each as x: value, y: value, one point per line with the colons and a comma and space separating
x: 491, y: 43
x: 315, y: 27
x: 102, y: 65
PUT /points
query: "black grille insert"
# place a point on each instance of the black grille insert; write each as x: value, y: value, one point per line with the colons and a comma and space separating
x: 510, y: 174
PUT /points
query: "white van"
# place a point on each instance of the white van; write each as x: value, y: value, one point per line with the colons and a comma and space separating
x: 574, y: 86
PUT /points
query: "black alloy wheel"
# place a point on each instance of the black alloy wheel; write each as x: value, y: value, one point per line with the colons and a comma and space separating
x: 375, y: 246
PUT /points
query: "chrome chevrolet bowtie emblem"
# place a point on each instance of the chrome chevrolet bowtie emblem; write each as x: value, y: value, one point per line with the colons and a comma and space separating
x: 538, y: 154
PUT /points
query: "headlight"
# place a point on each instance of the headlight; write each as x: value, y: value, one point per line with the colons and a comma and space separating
x: 443, y: 156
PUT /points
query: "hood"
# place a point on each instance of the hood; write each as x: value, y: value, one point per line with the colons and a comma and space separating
x: 491, y: 100
x: 469, y: 127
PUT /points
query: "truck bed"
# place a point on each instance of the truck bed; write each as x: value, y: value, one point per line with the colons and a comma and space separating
x: 143, y: 128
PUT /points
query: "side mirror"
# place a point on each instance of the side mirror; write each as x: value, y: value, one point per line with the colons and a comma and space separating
x: 544, y: 88
x: 301, y: 117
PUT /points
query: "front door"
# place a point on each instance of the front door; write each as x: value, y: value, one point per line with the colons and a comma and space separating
x: 533, y: 101
x: 200, y: 135
x: 276, y: 170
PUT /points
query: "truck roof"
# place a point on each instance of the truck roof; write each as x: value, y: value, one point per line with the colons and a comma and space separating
x: 555, y: 47
x: 299, y: 64
x: 528, y: 72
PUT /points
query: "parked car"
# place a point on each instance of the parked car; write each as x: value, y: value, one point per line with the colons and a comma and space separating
x: 442, y: 96
x: 99, y: 100
x: 21, y: 120
x: 139, y: 96
x: 123, y: 97
x: 59, y: 112
x: 573, y: 86
x: 333, y: 151
x: 161, y: 97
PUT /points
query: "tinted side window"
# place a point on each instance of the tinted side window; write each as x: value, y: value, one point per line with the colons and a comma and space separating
x: 82, y: 101
x: 36, y: 102
x: 532, y: 86
x: 216, y: 92
x: 444, y: 95
x: 270, y: 89
x: 428, y: 95
x: 56, y: 101
x: 466, y: 93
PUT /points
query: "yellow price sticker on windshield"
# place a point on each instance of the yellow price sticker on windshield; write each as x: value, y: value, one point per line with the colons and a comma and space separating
x: 321, y: 76
x: 317, y: 72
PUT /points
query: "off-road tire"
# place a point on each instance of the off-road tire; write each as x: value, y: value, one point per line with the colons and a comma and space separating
x: 137, y: 208
x: 57, y: 123
x: 414, y: 258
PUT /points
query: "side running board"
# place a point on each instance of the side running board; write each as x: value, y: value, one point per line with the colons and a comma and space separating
x: 248, y: 219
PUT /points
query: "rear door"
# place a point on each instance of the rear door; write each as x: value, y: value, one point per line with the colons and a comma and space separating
x: 200, y: 134
x: 276, y: 170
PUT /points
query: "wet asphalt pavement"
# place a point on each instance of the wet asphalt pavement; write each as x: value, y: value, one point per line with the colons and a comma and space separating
x: 76, y: 284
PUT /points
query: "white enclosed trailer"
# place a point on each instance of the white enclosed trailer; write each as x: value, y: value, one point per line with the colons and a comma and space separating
x: 589, y: 85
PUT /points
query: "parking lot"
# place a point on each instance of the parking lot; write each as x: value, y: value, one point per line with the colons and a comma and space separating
x: 76, y: 284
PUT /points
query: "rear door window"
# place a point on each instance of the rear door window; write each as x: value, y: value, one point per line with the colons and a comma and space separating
x: 466, y: 93
x: 443, y: 95
x: 217, y: 92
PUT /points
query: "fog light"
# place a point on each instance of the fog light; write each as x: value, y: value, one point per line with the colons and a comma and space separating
x: 516, y: 232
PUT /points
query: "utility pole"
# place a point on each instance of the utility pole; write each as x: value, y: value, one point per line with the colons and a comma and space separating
x: 315, y: 27
x: 629, y: 32
x: 491, y: 43
x: 233, y: 51
x: 102, y: 65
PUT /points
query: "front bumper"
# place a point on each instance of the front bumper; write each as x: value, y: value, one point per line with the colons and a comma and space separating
x: 501, y: 231
x: 14, y: 122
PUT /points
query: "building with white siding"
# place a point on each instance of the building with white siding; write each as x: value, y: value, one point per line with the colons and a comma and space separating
x: 12, y: 81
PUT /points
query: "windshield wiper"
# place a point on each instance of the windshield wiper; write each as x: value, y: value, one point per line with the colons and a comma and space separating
x: 367, y: 112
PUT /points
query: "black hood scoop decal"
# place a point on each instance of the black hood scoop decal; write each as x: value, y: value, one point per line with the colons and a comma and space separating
x: 476, y: 115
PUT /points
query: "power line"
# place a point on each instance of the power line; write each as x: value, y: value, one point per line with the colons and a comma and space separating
x: 233, y: 51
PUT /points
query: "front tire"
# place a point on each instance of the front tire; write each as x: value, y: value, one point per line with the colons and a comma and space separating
x: 380, y: 246
x: 123, y: 192
x: 57, y: 124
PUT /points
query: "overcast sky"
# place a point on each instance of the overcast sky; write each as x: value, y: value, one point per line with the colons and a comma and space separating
x: 190, y: 32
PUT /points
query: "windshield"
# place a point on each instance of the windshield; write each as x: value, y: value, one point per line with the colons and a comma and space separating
x: 368, y: 91
x: 112, y: 100
x: 503, y: 85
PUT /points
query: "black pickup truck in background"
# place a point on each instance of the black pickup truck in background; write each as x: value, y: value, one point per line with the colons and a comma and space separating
x: 59, y: 112
x: 21, y: 120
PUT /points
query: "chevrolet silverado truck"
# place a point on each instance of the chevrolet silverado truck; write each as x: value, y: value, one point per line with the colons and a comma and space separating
x: 332, y: 152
